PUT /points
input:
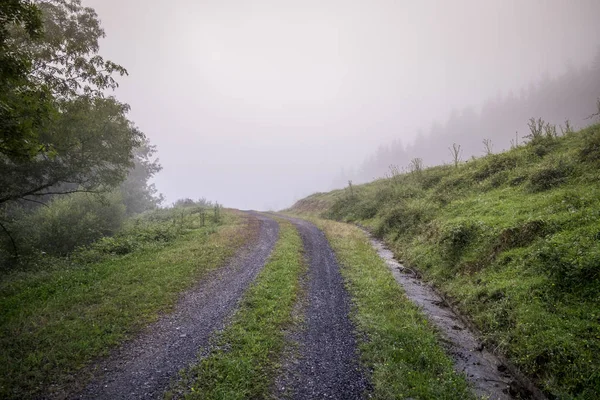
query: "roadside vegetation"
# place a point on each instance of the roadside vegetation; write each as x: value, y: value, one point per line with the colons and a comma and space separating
x: 400, y: 347
x: 60, y: 315
x: 512, y: 238
x: 245, y: 359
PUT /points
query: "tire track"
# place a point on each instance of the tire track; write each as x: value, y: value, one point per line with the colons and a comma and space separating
x: 327, y: 366
x: 144, y: 367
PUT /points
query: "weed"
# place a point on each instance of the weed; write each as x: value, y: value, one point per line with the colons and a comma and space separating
x: 456, y: 153
x: 488, y: 147
x: 416, y: 165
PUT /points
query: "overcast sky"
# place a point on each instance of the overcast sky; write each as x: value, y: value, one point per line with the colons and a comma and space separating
x: 257, y: 103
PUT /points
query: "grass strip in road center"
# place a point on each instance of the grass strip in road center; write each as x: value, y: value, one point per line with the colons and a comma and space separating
x: 401, y: 347
x: 245, y: 362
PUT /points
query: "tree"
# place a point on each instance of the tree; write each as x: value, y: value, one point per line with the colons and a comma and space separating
x: 23, y: 105
x: 92, y: 150
x: 67, y: 60
x: 15, y: 65
x: 59, y: 134
x: 52, y: 49
x: 138, y: 194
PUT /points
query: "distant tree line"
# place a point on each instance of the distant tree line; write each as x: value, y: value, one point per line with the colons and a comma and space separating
x: 565, y: 101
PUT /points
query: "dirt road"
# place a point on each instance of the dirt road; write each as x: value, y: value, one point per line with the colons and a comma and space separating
x: 327, y: 365
x: 144, y: 367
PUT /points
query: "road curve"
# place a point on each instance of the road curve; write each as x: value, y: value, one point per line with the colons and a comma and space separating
x: 144, y: 367
x: 327, y: 366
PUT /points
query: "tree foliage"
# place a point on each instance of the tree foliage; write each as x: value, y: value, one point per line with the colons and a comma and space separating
x: 67, y: 60
x: 23, y: 105
x: 59, y: 133
x: 92, y: 145
x: 138, y: 193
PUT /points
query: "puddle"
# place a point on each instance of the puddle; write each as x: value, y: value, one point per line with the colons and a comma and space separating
x: 489, y: 376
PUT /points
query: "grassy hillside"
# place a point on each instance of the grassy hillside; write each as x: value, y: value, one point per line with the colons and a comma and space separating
x: 513, y: 239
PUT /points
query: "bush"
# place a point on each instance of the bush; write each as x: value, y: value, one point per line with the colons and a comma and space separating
x: 494, y: 164
x: 405, y: 217
x: 520, y: 235
x: 590, y: 151
x: 69, y: 222
x: 433, y: 176
x: 456, y: 237
x: 550, y: 176
x: 571, y: 258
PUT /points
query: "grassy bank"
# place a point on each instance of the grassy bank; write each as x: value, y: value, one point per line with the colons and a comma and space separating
x: 513, y: 238
x: 245, y: 362
x: 401, y: 348
x: 55, y: 319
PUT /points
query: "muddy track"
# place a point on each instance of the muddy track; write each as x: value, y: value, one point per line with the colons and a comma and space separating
x: 327, y: 364
x: 490, y: 376
x: 144, y: 367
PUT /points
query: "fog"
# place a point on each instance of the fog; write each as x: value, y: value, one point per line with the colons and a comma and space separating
x: 257, y: 103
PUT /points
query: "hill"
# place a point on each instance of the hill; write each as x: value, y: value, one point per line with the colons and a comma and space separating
x: 512, y: 238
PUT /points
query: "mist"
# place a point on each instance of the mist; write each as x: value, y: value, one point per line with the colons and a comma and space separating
x: 256, y: 104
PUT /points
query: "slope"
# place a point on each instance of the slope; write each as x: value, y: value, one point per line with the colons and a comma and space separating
x: 512, y: 238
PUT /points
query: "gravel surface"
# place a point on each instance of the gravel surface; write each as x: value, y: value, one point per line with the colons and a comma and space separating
x: 489, y: 376
x: 327, y: 365
x: 144, y: 367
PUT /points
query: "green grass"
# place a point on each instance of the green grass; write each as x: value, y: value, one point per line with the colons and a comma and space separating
x: 401, y: 348
x: 55, y: 320
x: 245, y: 362
x: 514, y: 240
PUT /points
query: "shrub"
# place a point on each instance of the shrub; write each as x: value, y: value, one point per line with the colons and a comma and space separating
x: 433, y: 176
x: 405, y: 217
x: 550, y: 176
x: 571, y: 258
x: 342, y: 207
x: 495, y: 164
x: 69, y: 222
x: 455, y: 237
x: 520, y: 235
x: 499, y: 179
x: 590, y: 151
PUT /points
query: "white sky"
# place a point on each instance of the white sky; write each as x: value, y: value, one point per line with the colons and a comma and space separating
x: 257, y: 103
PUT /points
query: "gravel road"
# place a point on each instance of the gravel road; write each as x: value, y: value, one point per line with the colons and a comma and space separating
x: 327, y: 366
x: 144, y: 367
